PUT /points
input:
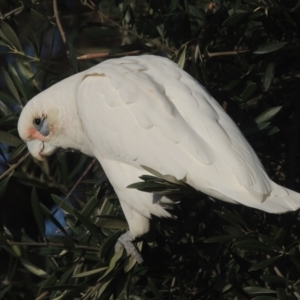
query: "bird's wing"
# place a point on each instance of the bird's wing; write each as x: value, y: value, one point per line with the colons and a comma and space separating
x: 147, y: 111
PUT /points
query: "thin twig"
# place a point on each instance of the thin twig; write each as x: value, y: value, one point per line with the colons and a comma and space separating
x: 59, y: 245
x: 75, y: 185
x: 107, y: 54
x: 18, y: 9
x: 12, y: 167
x: 43, y: 295
x: 235, y: 52
x: 56, y: 15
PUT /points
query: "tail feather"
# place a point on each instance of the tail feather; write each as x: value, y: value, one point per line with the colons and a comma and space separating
x: 281, y: 200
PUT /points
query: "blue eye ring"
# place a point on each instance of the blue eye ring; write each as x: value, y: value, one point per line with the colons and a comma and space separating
x: 41, y: 124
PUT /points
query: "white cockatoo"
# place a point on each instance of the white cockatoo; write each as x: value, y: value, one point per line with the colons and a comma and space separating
x: 145, y: 111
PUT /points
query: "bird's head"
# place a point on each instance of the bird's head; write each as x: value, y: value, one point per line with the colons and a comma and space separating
x: 38, y: 126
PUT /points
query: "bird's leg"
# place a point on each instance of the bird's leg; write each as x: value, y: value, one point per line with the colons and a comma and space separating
x: 126, y: 240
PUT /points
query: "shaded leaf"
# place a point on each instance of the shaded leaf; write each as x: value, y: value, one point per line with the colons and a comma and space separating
x: 219, y: 239
x: 254, y: 245
x: 9, y: 139
x: 264, y: 263
x: 252, y: 290
x: 268, y: 76
x: 270, y: 47
x: 36, y: 207
x: 10, y: 35
x: 12, y: 88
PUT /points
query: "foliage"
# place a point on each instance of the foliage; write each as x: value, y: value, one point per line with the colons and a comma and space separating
x: 246, y: 53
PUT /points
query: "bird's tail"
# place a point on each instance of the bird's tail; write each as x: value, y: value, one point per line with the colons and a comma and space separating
x: 281, y: 200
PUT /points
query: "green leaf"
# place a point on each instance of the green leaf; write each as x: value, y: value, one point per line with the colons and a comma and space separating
x: 235, y: 19
x: 73, y: 58
x: 181, y: 61
x: 254, y: 245
x: 12, y: 88
x: 33, y: 269
x: 219, y: 239
x: 252, y: 290
x: 113, y: 262
x: 49, y: 215
x: 4, y: 109
x: 154, y: 289
x: 109, y: 244
x: 269, y: 47
x: 90, y: 206
x: 89, y: 273
x: 270, y: 241
x: 9, y: 139
x: 63, y: 204
x: 17, y: 80
x: 264, y: 263
x: 110, y: 222
x: 173, y: 5
x: 268, y: 115
x: 249, y: 91
x: 89, y: 226
x: 233, y: 230
x: 281, y: 294
x: 169, y: 178
x: 3, y: 185
x: 10, y: 35
x: 264, y: 298
x: 196, y: 12
x: 230, y: 218
x: 273, y: 278
x: 18, y: 151
x: 37, y: 211
x: 268, y: 76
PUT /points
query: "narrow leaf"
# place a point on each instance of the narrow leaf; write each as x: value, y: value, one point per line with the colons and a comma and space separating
x: 270, y: 47
x: 17, y: 80
x: 10, y: 35
x: 89, y: 273
x: 252, y: 290
x: 12, y: 88
x: 267, y: 115
x: 37, y: 211
x: 268, y: 76
x: 263, y: 264
x: 181, y: 61
x: 33, y: 269
x: 9, y: 139
x: 86, y: 222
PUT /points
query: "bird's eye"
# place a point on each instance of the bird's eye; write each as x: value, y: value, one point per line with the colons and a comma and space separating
x: 37, y: 121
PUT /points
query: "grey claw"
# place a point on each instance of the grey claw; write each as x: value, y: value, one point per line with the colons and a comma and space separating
x: 126, y: 240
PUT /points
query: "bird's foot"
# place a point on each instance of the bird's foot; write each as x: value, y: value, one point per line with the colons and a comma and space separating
x: 126, y: 240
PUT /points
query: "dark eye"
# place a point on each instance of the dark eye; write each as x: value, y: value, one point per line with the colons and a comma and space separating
x: 37, y: 121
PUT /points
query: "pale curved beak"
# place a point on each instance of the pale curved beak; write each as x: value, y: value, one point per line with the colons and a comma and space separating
x: 39, y: 149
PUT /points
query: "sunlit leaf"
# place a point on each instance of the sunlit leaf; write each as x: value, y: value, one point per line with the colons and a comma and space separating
x: 267, y: 115
x: 33, y: 269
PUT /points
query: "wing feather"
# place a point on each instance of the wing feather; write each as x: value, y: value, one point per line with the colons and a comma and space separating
x: 147, y: 111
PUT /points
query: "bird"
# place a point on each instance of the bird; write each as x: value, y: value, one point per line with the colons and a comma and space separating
x: 145, y: 110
